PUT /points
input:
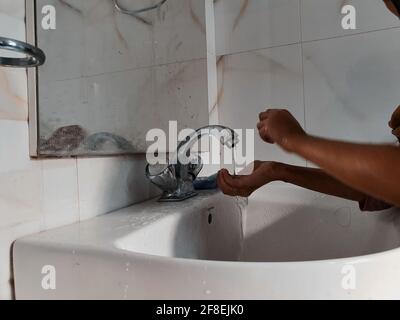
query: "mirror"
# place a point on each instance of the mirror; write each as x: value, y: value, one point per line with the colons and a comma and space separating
x: 114, y: 71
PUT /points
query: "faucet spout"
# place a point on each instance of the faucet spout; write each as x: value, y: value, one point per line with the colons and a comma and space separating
x: 176, y: 178
x: 225, y: 135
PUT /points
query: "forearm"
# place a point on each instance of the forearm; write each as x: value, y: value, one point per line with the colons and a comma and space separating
x: 372, y: 169
x: 317, y: 180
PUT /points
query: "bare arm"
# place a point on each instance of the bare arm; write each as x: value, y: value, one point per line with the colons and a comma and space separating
x: 266, y: 172
x: 371, y: 169
x: 318, y: 180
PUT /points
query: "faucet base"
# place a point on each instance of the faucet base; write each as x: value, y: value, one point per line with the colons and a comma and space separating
x: 177, y: 198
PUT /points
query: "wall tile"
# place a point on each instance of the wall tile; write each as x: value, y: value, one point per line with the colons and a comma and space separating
x: 173, y: 33
x: 180, y: 31
x: 13, y: 103
x: 252, y: 81
x: 60, y: 192
x: 351, y: 86
x: 110, y: 43
x: 107, y: 184
x: 323, y: 18
x: 243, y: 25
x: 12, y: 15
x: 21, y: 178
x: 118, y: 107
x: 71, y: 99
x: 13, y: 93
x: 6, y: 291
x: 65, y: 46
x: 181, y: 95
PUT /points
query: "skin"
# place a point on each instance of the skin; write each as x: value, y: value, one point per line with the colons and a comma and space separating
x: 348, y: 170
x: 391, y: 7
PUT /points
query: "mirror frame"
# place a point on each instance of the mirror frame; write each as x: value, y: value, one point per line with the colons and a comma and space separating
x: 32, y: 74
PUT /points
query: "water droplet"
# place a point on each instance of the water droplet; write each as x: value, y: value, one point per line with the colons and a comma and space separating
x: 207, y: 292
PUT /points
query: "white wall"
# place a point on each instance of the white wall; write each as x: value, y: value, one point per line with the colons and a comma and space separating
x: 294, y: 53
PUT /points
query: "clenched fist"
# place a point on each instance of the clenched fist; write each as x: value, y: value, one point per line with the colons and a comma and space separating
x: 279, y: 126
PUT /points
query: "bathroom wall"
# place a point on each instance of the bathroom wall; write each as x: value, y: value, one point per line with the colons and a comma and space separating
x: 36, y: 195
x: 294, y: 53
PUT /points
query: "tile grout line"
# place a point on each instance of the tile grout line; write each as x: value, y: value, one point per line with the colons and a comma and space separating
x: 302, y: 69
x: 43, y: 223
x: 306, y: 41
x: 78, y: 189
x: 302, y: 64
x: 129, y: 70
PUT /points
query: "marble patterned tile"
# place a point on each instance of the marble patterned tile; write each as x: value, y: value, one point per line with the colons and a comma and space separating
x: 180, y: 31
x: 92, y: 38
x: 21, y: 187
x: 109, y: 103
x: 62, y: 103
x: 13, y: 90
x: 122, y: 104
x: 351, y: 86
x: 60, y: 192
x: 13, y: 94
x: 252, y: 81
x: 323, y: 18
x: 115, y: 41
x: 65, y: 46
x: 107, y: 184
x: 12, y: 15
x: 181, y: 91
x: 6, y: 291
x: 243, y: 25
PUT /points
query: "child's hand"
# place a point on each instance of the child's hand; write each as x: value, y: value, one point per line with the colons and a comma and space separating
x: 244, y: 185
x: 394, y: 123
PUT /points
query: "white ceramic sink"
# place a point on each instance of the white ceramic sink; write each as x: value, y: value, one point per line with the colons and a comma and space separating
x: 287, y: 243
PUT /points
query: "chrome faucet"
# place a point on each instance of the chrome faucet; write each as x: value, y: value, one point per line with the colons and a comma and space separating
x: 176, y: 178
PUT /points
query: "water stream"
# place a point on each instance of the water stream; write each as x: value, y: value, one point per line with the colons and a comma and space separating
x: 241, y: 204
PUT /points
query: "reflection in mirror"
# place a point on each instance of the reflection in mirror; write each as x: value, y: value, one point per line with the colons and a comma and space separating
x: 110, y: 77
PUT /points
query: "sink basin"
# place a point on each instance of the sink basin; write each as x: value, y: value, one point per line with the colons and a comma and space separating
x: 285, y: 243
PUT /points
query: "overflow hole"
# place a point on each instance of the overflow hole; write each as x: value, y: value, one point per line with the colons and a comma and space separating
x: 210, y: 218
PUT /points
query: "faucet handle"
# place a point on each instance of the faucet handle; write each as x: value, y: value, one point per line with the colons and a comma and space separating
x: 195, y: 166
x: 163, y: 176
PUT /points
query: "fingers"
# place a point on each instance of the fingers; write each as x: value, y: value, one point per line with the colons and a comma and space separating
x: 396, y: 133
x: 225, y: 188
x: 230, y: 185
x: 263, y: 131
x: 235, y: 182
x: 264, y: 115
